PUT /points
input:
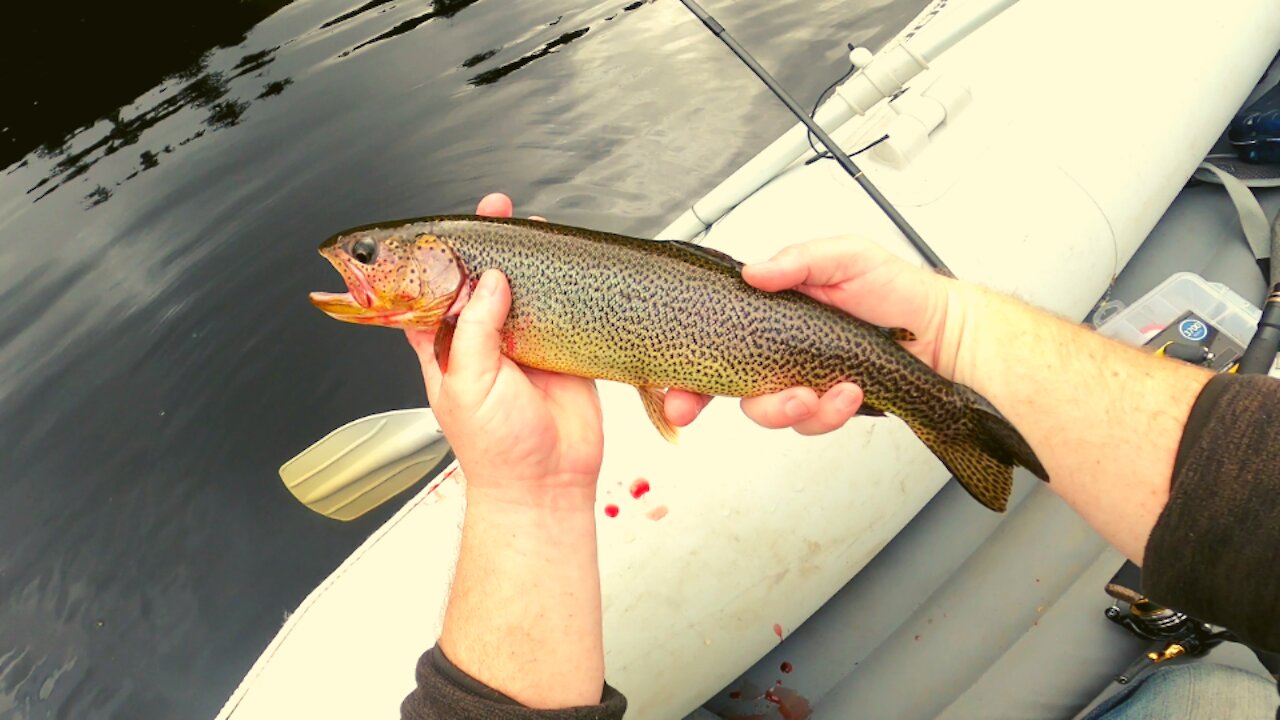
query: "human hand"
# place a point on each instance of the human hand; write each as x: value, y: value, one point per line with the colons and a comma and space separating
x: 866, y: 281
x: 522, y: 436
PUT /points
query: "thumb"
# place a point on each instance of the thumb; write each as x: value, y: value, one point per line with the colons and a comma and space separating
x: 475, y: 356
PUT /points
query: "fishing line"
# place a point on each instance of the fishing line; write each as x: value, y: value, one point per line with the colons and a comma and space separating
x: 824, y: 154
x: 836, y: 152
x: 822, y: 96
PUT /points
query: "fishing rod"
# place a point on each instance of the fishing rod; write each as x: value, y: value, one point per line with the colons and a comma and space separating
x: 836, y: 152
x: 1261, y: 353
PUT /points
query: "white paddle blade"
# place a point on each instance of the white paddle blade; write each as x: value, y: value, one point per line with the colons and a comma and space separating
x: 366, y: 462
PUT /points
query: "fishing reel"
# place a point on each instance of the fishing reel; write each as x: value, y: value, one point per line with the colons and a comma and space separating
x: 1180, y: 634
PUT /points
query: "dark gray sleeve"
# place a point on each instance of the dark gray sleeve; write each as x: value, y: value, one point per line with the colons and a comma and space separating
x: 445, y: 692
x: 1215, y: 550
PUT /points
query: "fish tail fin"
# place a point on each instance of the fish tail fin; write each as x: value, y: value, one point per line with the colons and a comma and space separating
x: 981, y: 452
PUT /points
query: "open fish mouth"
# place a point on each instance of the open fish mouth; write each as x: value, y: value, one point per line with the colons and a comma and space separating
x: 359, y: 290
x: 359, y: 299
x: 341, y: 305
x: 345, y: 306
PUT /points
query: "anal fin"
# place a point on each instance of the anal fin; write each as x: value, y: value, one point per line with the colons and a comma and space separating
x: 654, y: 400
x: 866, y: 409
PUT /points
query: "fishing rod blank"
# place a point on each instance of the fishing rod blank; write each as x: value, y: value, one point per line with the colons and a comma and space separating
x: 836, y: 152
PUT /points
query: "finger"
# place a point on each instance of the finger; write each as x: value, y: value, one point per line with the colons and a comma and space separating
x: 682, y: 407
x: 567, y: 392
x: 423, y: 344
x: 819, y: 262
x: 781, y: 409
x: 835, y: 408
x: 857, y: 276
x: 494, y: 205
x: 475, y: 356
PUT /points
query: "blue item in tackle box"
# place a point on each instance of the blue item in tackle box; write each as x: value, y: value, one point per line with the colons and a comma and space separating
x: 1187, y: 311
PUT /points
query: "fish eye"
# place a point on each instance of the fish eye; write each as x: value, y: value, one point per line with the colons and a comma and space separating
x: 365, y: 250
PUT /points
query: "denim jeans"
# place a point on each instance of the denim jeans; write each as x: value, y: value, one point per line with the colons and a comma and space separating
x: 1195, y: 691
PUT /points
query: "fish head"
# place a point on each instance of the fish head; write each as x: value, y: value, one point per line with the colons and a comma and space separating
x: 396, y: 277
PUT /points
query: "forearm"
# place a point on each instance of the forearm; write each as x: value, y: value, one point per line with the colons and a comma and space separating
x: 524, y: 613
x: 1104, y: 419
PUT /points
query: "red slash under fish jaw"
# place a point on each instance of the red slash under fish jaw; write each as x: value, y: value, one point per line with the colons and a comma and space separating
x: 444, y: 334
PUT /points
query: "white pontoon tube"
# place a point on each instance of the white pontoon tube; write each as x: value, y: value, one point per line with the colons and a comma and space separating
x: 877, y: 78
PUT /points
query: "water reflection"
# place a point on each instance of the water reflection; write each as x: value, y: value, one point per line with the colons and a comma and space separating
x: 496, y: 74
x: 205, y: 89
x: 372, y: 4
x: 69, y: 63
x: 491, y: 76
x: 442, y: 9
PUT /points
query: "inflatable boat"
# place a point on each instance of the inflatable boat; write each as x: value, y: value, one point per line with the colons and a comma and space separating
x: 1035, y: 145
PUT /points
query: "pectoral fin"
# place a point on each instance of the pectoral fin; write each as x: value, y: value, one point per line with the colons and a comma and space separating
x: 654, y: 400
x: 444, y: 341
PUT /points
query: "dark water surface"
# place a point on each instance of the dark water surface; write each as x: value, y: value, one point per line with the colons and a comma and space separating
x: 158, y: 356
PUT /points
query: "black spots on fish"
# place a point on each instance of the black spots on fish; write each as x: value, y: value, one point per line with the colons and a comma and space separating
x: 409, y: 288
x: 427, y: 240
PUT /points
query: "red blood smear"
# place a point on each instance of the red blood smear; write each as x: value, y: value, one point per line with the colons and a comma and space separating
x: 735, y: 695
x: 511, y: 337
x: 777, y: 630
x: 791, y: 706
x: 786, y: 667
x: 639, y: 488
x: 611, y: 510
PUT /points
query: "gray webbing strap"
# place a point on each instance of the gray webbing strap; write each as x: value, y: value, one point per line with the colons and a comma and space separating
x: 1254, y: 222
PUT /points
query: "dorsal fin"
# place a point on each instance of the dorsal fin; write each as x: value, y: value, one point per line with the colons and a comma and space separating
x: 901, y: 335
x: 710, y: 254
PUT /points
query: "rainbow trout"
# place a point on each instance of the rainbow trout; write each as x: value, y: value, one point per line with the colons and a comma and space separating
x: 658, y: 315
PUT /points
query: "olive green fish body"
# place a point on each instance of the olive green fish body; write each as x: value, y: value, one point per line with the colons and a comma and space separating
x: 662, y: 314
x: 666, y: 314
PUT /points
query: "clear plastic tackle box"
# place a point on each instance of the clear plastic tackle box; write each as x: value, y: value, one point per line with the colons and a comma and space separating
x: 1218, y: 304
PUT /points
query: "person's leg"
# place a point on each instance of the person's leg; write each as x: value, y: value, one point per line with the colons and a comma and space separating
x: 1196, y: 691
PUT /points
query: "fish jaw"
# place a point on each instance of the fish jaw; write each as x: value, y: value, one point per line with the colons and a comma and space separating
x: 342, y: 306
x: 363, y: 305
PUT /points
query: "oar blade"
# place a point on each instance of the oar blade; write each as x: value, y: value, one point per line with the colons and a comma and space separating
x: 365, y: 463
